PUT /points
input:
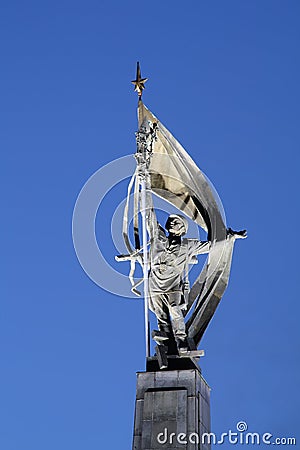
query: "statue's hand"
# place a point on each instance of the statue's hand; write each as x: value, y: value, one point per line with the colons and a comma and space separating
x: 119, y: 258
x: 237, y: 234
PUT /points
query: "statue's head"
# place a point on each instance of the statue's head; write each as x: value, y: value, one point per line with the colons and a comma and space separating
x: 177, y: 225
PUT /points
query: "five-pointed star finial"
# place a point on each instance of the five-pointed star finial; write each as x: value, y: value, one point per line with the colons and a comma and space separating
x: 139, y: 81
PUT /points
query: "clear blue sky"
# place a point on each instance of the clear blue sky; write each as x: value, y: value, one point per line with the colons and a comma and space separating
x: 224, y: 78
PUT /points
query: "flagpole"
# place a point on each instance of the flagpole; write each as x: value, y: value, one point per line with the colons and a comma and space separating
x: 141, y: 157
x: 145, y: 263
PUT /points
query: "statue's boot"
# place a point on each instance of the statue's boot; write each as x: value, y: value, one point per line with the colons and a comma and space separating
x: 182, y: 345
x: 160, y: 337
x: 166, y: 337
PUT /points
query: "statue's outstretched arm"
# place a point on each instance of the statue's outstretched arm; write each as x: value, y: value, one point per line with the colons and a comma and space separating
x: 200, y: 247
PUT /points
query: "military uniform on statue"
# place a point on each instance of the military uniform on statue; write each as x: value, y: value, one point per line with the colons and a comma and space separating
x: 170, y: 256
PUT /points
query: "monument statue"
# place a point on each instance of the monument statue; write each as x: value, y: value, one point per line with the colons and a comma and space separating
x: 165, y: 169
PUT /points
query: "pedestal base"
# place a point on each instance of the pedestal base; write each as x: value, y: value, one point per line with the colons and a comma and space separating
x: 172, y: 410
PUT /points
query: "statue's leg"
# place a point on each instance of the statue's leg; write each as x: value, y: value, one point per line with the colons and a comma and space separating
x: 162, y: 312
x: 160, y: 306
x: 178, y: 324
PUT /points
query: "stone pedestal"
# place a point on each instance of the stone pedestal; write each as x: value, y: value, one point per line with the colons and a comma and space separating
x: 172, y: 410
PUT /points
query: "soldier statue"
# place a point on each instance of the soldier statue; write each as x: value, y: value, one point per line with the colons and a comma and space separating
x: 170, y: 257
